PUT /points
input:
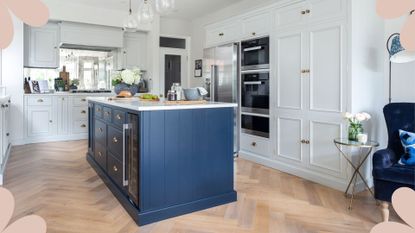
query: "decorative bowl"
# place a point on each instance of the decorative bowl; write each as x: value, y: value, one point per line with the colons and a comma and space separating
x: 192, y: 94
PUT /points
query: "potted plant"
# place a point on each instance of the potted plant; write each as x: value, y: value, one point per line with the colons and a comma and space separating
x: 60, y: 84
x: 355, y: 124
x: 126, y: 80
x: 74, y: 84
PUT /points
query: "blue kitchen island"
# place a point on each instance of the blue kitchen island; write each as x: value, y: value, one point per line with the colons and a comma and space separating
x: 162, y: 160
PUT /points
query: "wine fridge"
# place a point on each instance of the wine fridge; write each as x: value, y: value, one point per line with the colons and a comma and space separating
x: 131, y: 158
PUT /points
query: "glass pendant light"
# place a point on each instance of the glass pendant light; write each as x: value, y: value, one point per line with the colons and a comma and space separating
x: 130, y: 23
x: 145, y: 13
x: 165, y: 6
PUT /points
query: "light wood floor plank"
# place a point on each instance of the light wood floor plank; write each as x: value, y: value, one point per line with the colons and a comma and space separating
x: 54, y: 181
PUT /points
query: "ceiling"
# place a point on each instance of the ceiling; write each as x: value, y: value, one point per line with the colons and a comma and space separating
x: 185, y: 9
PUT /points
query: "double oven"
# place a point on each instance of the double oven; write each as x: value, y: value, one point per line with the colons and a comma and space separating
x: 255, y: 87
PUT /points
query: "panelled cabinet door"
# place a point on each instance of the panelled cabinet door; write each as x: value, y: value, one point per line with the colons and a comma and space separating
x: 223, y: 34
x: 290, y: 63
x: 135, y: 50
x: 41, y: 46
x: 62, y: 114
x: 40, y: 121
x: 291, y: 16
x: 5, y: 129
x: 325, y: 9
x: 257, y: 25
x: 327, y: 68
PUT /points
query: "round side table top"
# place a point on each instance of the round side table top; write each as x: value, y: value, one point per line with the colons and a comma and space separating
x: 347, y: 142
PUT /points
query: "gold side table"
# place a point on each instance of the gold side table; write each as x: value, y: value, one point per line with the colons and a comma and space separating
x: 365, y: 149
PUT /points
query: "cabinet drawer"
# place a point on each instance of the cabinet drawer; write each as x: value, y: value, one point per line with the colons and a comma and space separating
x: 118, y: 118
x: 39, y: 100
x: 100, y: 155
x: 79, y: 101
x: 257, y: 25
x: 291, y: 15
x: 100, y: 132
x: 98, y: 109
x: 226, y: 33
x: 255, y: 145
x: 326, y: 9
x: 115, y: 142
x: 80, y: 126
x: 115, y: 169
x: 80, y: 113
x: 107, y: 114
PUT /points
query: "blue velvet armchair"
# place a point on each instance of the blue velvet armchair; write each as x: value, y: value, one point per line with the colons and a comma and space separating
x: 388, y: 174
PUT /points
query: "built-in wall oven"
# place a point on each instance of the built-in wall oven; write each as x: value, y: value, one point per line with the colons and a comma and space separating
x: 255, y: 125
x: 255, y: 92
x: 255, y: 54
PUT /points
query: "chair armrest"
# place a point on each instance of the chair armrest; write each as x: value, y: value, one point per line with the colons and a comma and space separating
x: 384, y: 159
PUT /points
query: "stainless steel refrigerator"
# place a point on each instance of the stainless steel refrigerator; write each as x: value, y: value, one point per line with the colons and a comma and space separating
x: 221, y: 73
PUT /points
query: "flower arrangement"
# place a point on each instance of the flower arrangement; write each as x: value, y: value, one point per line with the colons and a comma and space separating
x: 126, y: 80
x: 129, y: 77
x: 355, y: 121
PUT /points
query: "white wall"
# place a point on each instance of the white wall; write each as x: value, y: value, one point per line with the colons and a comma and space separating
x: 12, y: 78
x: 175, y: 27
x: 403, y: 78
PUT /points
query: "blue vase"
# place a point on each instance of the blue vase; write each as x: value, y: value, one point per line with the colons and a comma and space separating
x: 133, y: 89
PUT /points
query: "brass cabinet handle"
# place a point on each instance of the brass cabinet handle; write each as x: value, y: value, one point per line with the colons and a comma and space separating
x: 83, y: 112
x: 83, y: 126
x: 254, y: 33
x: 303, y: 12
x: 118, y: 116
x: 107, y: 113
x: 50, y: 121
x: 253, y: 144
x: 303, y: 141
x: 221, y: 34
x: 40, y: 100
x: 307, y: 11
x: 83, y: 100
x: 100, y: 129
x: 115, y: 140
x: 99, y: 154
x: 115, y: 168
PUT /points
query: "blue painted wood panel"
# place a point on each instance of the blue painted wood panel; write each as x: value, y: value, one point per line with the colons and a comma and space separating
x: 186, y: 155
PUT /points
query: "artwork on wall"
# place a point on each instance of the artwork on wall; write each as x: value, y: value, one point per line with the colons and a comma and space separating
x: 198, y: 68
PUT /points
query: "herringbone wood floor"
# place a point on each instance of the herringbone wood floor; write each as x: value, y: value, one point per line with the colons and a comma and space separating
x: 54, y: 181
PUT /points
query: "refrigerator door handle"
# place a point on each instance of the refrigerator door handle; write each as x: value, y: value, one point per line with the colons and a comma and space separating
x: 213, y: 84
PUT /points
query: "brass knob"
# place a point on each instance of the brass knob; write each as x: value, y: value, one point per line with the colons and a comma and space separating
x: 83, y: 100
x: 100, y: 129
x: 303, y: 141
x: 254, y: 144
x: 50, y: 121
x: 307, y: 142
x: 40, y: 100
x: 307, y: 11
x: 99, y: 154
x: 107, y: 113
x: 221, y: 34
x: 115, y: 168
x: 115, y: 140
x: 83, y: 126
x: 118, y: 116
x: 83, y: 112
x: 303, y: 12
x: 98, y: 110
x: 254, y: 33
x: 303, y: 71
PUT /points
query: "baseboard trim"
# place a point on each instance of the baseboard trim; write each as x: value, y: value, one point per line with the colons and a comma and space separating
x: 3, y: 166
x: 322, y: 179
x: 26, y: 141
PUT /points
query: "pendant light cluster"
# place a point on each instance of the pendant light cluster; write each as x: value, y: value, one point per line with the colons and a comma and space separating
x: 145, y: 13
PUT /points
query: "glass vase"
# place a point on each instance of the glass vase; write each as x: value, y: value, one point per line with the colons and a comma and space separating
x: 354, y: 130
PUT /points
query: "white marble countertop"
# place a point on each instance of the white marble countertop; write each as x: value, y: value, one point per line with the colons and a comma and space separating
x: 4, y: 99
x: 70, y: 94
x: 138, y: 105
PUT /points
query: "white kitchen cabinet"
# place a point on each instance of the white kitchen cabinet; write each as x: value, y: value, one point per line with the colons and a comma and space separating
x: 42, y: 46
x: 62, y: 115
x: 311, y: 95
x: 257, y: 25
x: 4, y: 134
x: 311, y: 11
x: 56, y: 117
x: 256, y: 145
x: 135, y: 50
x: 40, y: 121
x: 223, y: 33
